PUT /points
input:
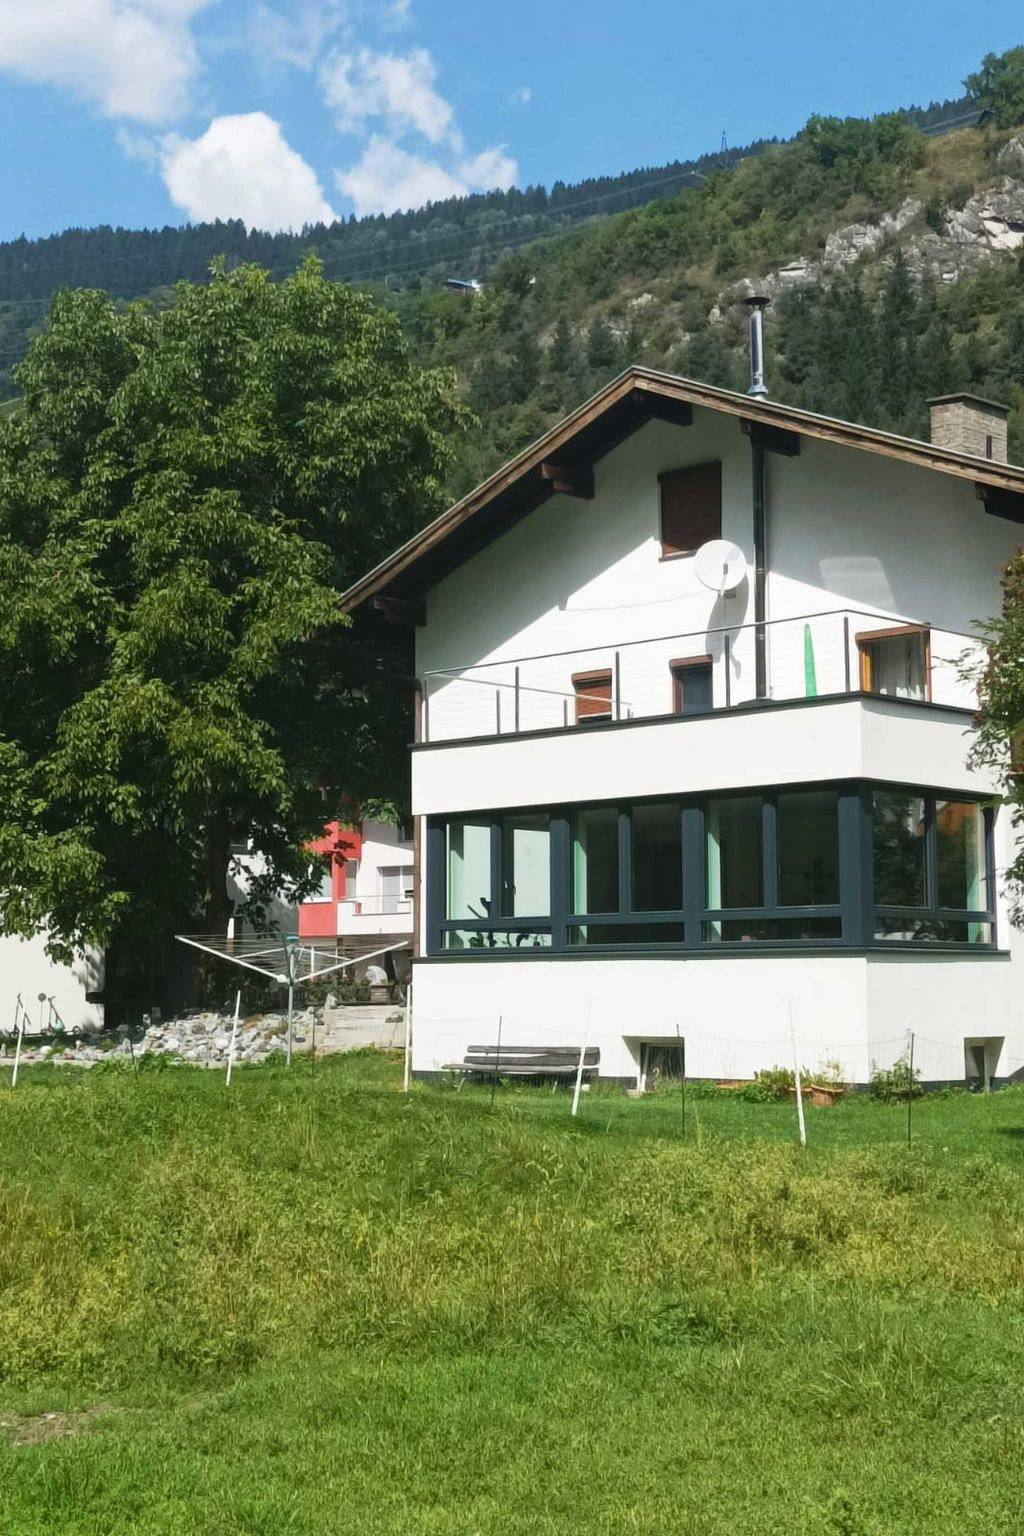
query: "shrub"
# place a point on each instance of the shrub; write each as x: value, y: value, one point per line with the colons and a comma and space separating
x: 895, y: 1084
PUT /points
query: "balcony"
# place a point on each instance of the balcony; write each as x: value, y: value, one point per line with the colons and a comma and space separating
x: 815, y: 655
x: 363, y: 915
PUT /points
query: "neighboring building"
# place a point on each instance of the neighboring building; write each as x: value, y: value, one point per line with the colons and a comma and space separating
x: 366, y: 899
x: 54, y: 994
x: 643, y: 804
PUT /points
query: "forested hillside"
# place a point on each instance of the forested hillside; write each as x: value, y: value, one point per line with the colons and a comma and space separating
x: 889, y: 247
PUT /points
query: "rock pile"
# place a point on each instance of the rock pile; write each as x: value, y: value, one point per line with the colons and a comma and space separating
x: 200, y: 1038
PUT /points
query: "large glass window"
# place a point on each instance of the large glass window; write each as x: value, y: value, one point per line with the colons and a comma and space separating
x: 960, y: 855
x: 736, y: 870
x: 808, y: 833
x: 526, y: 865
x: 595, y: 859
x: 469, y: 869
x: 898, y: 837
x: 657, y: 858
x: 735, y: 860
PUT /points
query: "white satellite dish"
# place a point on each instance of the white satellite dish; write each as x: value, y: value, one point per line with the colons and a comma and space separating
x: 720, y: 565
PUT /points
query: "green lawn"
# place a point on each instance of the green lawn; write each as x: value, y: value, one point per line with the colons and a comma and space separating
x: 313, y: 1305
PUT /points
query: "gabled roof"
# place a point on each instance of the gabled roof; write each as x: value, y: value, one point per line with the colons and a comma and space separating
x: 562, y: 460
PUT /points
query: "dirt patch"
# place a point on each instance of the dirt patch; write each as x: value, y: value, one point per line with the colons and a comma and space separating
x: 39, y: 1428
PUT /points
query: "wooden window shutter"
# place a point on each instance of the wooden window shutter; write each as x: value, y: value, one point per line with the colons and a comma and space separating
x: 593, y: 695
x: 691, y: 508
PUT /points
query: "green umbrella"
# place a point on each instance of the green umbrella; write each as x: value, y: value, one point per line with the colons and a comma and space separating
x: 810, y: 676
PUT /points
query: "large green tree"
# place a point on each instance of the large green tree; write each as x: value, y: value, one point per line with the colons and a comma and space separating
x: 184, y: 494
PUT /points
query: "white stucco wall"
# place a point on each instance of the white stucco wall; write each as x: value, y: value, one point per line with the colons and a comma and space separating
x: 26, y: 968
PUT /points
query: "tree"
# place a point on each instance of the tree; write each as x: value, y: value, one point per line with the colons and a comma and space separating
x: 602, y: 347
x: 998, y: 86
x: 183, y: 497
x: 999, y: 724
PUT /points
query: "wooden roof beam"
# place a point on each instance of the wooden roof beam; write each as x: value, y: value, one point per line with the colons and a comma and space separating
x: 1008, y: 504
x: 569, y: 479
x: 396, y: 610
x: 774, y: 439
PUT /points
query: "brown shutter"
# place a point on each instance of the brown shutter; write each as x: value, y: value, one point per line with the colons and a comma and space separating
x: 593, y: 695
x: 691, y: 508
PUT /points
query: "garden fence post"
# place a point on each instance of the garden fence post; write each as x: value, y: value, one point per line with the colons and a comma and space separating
x: 579, y: 1067
x: 19, y: 1017
x: 910, y: 1082
x: 407, y: 1073
x: 799, y: 1086
x: 234, y: 1036
x: 682, y: 1082
x: 497, y: 1064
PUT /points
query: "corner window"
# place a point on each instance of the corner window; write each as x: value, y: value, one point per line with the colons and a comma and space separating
x: 691, y: 685
x: 691, y: 508
x: 896, y: 662
x: 932, y: 876
x: 593, y: 692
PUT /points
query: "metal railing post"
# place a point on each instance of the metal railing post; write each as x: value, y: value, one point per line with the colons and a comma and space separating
x: 497, y: 709
x: 618, y: 688
x: 516, y: 715
x: 728, y: 673
x: 846, y: 649
x: 426, y: 707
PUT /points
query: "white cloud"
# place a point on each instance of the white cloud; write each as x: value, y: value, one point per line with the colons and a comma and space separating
x: 388, y: 178
x: 399, y: 88
x: 296, y: 40
x: 521, y: 95
x: 131, y: 58
x: 243, y: 168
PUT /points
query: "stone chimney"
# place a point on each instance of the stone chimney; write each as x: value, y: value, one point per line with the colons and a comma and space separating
x: 968, y: 424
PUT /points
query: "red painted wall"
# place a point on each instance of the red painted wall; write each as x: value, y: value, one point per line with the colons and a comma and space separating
x: 319, y: 919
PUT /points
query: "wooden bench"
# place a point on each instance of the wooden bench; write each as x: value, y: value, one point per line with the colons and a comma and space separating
x: 548, y: 1061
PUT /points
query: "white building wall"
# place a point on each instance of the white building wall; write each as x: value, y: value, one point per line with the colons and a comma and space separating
x: 368, y: 912
x: 26, y: 969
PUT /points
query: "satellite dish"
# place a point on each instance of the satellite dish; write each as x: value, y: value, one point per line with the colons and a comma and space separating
x: 720, y: 565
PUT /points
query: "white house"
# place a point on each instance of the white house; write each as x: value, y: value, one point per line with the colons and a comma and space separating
x: 651, y: 814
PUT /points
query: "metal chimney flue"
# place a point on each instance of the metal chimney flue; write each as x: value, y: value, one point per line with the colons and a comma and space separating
x: 756, y: 306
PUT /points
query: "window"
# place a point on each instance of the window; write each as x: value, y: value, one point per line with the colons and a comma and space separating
x: 792, y: 865
x: 593, y: 695
x: 395, y: 887
x: 351, y: 871
x: 808, y: 840
x: 896, y: 662
x: 526, y: 866
x: 734, y: 856
x: 691, y: 685
x: 325, y: 892
x: 932, y: 877
x: 657, y: 858
x: 469, y: 869
x: 898, y: 837
x: 691, y: 508
x: 595, y: 860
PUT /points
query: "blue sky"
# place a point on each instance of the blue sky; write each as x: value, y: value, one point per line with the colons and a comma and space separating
x: 284, y: 111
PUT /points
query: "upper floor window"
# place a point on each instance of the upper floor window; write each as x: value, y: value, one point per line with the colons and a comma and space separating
x: 593, y: 692
x: 896, y: 661
x: 691, y: 685
x: 691, y: 508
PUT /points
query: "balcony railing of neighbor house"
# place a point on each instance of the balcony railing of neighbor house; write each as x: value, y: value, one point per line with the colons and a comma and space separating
x: 376, y: 906
x: 814, y: 654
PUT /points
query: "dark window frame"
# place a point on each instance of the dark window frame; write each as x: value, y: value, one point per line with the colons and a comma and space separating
x: 866, y: 638
x: 678, y: 670
x: 931, y: 910
x: 856, y: 908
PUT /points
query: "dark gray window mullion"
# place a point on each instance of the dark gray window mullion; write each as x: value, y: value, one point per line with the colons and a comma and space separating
x: 867, y: 860
x: 990, y: 866
x: 931, y: 855
x: 435, y: 884
x: 694, y: 888
x: 852, y: 824
x: 770, y: 853
x: 497, y: 873
x: 625, y: 861
x: 561, y: 879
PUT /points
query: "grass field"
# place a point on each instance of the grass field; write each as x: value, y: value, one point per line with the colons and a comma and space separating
x: 319, y: 1306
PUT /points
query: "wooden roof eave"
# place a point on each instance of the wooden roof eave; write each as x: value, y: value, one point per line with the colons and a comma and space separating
x: 599, y: 425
